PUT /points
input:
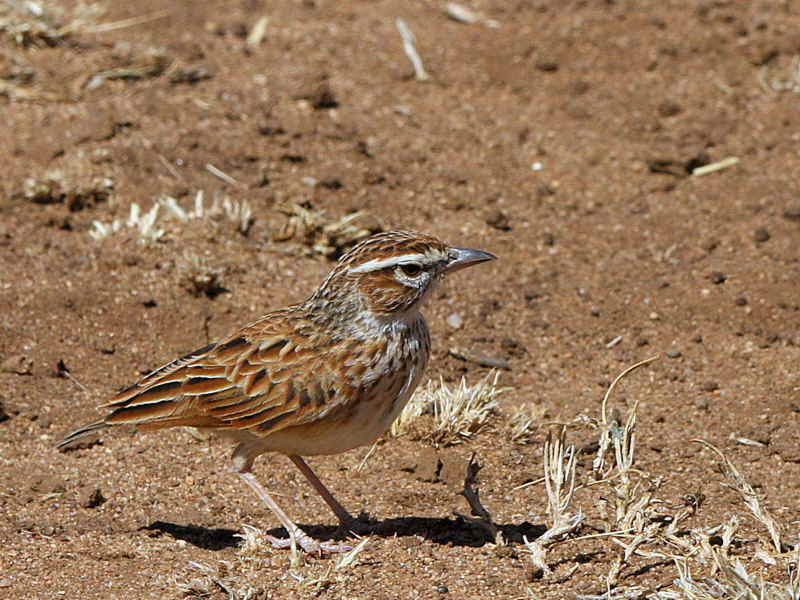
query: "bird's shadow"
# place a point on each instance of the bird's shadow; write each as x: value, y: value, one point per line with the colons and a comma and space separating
x: 445, y: 531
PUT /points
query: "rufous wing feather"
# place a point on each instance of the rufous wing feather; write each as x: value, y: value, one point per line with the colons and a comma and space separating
x: 261, y: 379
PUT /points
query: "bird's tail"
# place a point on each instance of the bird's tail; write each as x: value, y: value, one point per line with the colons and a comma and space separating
x: 82, y: 432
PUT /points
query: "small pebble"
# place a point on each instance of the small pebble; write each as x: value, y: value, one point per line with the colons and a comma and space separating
x: 761, y: 235
x: 741, y: 301
x: 669, y: 109
x: 792, y: 213
x: 717, y: 277
x: 709, y: 386
x: 702, y: 404
x: 499, y: 220
x: 673, y: 354
x: 442, y: 589
x: 548, y: 66
x: 455, y: 321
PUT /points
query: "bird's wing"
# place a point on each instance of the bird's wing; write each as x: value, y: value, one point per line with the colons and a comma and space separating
x: 272, y: 375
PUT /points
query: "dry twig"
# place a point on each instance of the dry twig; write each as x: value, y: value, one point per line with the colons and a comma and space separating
x: 481, y: 515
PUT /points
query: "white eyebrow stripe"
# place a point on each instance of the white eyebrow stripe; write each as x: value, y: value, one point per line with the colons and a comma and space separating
x: 377, y: 265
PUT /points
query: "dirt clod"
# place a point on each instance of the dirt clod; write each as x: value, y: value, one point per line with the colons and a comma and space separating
x: 19, y: 364
x: 669, y: 109
x: 499, y: 220
x: 717, y: 277
x: 46, y: 484
x: 4, y: 412
x: 452, y: 470
x: 91, y: 497
x: 426, y: 465
x: 787, y: 446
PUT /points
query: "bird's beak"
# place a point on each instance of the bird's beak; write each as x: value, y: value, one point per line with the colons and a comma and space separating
x: 460, y: 258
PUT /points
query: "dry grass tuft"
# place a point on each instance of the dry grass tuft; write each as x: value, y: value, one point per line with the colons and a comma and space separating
x: 314, y: 232
x: 144, y: 224
x: 559, y: 479
x: 208, y: 581
x: 788, y: 81
x: 645, y: 527
x: 40, y: 24
x: 221, y: 208
x: 150, y: 225
x: 738, y: 482
x: 253, y: 540
x: 198, y: 277
x: 524, y: 422
x: 240, y: 577
x: 335, y: 573
x: 732, y: 581
x: 442, y: 415
x: 59, y: 187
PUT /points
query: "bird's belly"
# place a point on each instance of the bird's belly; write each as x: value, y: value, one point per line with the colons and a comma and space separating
x: 350, y: 425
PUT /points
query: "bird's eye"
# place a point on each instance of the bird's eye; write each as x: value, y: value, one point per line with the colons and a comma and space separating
x: 411, y: 269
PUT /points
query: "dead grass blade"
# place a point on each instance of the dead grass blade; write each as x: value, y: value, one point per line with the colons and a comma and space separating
x: 611, y: 425
x: 738, y: 482
x: 125, y: 23
x: 559, y: 477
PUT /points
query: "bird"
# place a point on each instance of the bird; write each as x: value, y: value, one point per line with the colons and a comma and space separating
x: 319, y: 377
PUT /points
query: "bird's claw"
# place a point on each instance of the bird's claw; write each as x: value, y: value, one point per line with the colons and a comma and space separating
x: 309, y: 545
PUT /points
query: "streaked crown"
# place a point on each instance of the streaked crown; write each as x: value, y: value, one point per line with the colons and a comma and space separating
x: 393, y: 272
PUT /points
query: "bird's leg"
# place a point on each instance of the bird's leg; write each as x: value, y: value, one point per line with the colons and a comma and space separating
x: 347, y: 521
x: 339, y: 510
x: 296, y: 535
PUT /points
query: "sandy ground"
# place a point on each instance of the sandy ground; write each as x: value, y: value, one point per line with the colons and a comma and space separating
x: 562, y: 136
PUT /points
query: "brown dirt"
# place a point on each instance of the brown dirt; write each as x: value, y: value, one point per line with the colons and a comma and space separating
x: 610, y: 237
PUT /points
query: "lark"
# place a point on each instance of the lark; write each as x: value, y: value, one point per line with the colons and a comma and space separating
x: 316, y: 378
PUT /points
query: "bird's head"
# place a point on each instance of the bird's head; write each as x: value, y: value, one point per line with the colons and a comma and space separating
x: 393, y: 272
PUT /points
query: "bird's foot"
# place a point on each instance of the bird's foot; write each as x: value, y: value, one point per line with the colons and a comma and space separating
x: 309, y: 545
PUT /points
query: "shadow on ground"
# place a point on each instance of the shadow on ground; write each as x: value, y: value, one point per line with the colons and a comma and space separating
x: 445, y: 531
